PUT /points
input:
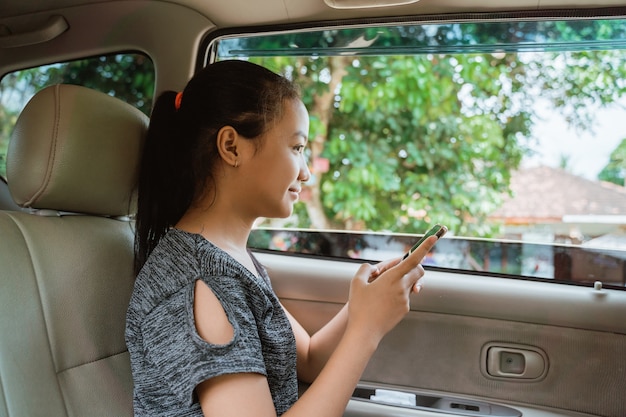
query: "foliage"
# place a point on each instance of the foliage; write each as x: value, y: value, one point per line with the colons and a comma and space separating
x: 615, y: 170
x: 432, y: 130
x: 414, y: 140
x: 7, y: 121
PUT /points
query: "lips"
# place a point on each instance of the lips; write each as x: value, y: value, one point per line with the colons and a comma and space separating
x: 295, y: 189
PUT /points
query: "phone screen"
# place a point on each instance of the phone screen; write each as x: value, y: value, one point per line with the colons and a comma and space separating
x: 438, y: 230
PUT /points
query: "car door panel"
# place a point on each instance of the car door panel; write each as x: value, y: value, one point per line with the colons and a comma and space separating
x: 442, y: 344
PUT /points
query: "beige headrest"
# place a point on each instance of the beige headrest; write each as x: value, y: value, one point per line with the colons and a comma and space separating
x: 75, y: 149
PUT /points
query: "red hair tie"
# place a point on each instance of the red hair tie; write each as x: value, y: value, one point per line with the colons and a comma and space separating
x: 178, y: 99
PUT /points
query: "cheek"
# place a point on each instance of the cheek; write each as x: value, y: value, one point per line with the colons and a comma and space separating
x: 272, y: 177
x: 284, y: 168
x: 275, y: 172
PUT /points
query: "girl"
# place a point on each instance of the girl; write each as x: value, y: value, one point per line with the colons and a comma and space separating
x: 205, y: 331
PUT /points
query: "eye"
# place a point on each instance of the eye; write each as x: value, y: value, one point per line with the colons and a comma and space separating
x: 299, y: 148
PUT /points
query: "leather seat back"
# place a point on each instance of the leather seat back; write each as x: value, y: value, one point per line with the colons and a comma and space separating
x: 66, y: 266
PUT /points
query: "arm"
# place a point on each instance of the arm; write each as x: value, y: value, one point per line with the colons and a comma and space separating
x: 373, y: 309
x: 313, y: 351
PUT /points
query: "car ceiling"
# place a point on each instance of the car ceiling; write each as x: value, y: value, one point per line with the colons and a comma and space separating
x: 262, y: 12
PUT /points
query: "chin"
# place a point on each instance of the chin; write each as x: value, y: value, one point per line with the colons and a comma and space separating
x: 286, y: 212
x: 279, y: 212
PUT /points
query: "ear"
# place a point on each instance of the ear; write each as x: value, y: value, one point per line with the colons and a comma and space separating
x: 227, y: 141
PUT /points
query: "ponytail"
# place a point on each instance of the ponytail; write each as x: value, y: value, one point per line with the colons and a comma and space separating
x: 164, y: 187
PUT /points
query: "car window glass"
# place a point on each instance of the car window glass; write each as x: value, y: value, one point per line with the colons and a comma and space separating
x: 510, y: 133
x: 129, y: 77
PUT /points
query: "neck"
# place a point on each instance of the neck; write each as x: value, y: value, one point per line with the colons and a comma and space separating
x: 223, y: 228
x: 226, y: 233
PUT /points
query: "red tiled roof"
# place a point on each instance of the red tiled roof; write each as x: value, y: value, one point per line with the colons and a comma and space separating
x: 545, y: 193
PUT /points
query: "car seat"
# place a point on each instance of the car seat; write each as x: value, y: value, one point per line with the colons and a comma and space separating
x: 66, y: 265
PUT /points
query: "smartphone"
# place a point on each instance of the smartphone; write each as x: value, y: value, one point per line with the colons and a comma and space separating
x: 437, y: 230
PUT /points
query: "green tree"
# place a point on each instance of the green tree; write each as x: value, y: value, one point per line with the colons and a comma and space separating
x: 413, y: 140
x: 615, y: 169
x: 402, y: 151
x: 7, y: 121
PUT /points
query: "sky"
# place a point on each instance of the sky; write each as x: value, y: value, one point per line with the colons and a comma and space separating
x: 588, y: 152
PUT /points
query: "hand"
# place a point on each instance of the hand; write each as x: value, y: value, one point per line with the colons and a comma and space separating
x: 379, y: 294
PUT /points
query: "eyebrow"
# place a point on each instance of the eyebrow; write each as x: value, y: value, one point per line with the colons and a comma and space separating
x: 302, y: 134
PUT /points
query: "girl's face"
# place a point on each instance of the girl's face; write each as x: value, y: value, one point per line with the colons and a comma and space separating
x: 278, y: 167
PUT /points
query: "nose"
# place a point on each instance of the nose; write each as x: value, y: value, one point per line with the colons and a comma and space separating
x: 304, y: 175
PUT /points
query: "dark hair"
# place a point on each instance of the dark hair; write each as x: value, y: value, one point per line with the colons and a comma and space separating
x: 180, y: 151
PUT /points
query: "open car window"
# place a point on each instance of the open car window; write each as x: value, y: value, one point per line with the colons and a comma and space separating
x: 509, y: 131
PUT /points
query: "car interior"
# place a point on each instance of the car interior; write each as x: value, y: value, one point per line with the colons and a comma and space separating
x: 63, y: 359
x: 492, y: 334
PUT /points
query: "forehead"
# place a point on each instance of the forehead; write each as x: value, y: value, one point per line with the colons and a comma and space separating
x: 296, y: 107
x: 294, y: 116
x: 292, y: 123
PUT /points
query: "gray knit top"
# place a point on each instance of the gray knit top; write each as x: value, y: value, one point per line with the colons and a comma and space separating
x: 168, y: 357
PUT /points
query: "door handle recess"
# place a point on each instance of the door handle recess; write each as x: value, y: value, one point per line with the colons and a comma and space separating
x: 512, y: 361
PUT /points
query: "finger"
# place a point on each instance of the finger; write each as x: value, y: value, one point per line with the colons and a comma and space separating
x: 412, y: 277
x: 418, y: 254
x: 418, y: 286
x: 365, y: 272
x: 384, y: 266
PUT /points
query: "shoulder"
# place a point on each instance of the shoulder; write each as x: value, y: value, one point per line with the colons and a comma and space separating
x: 172, y: 266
